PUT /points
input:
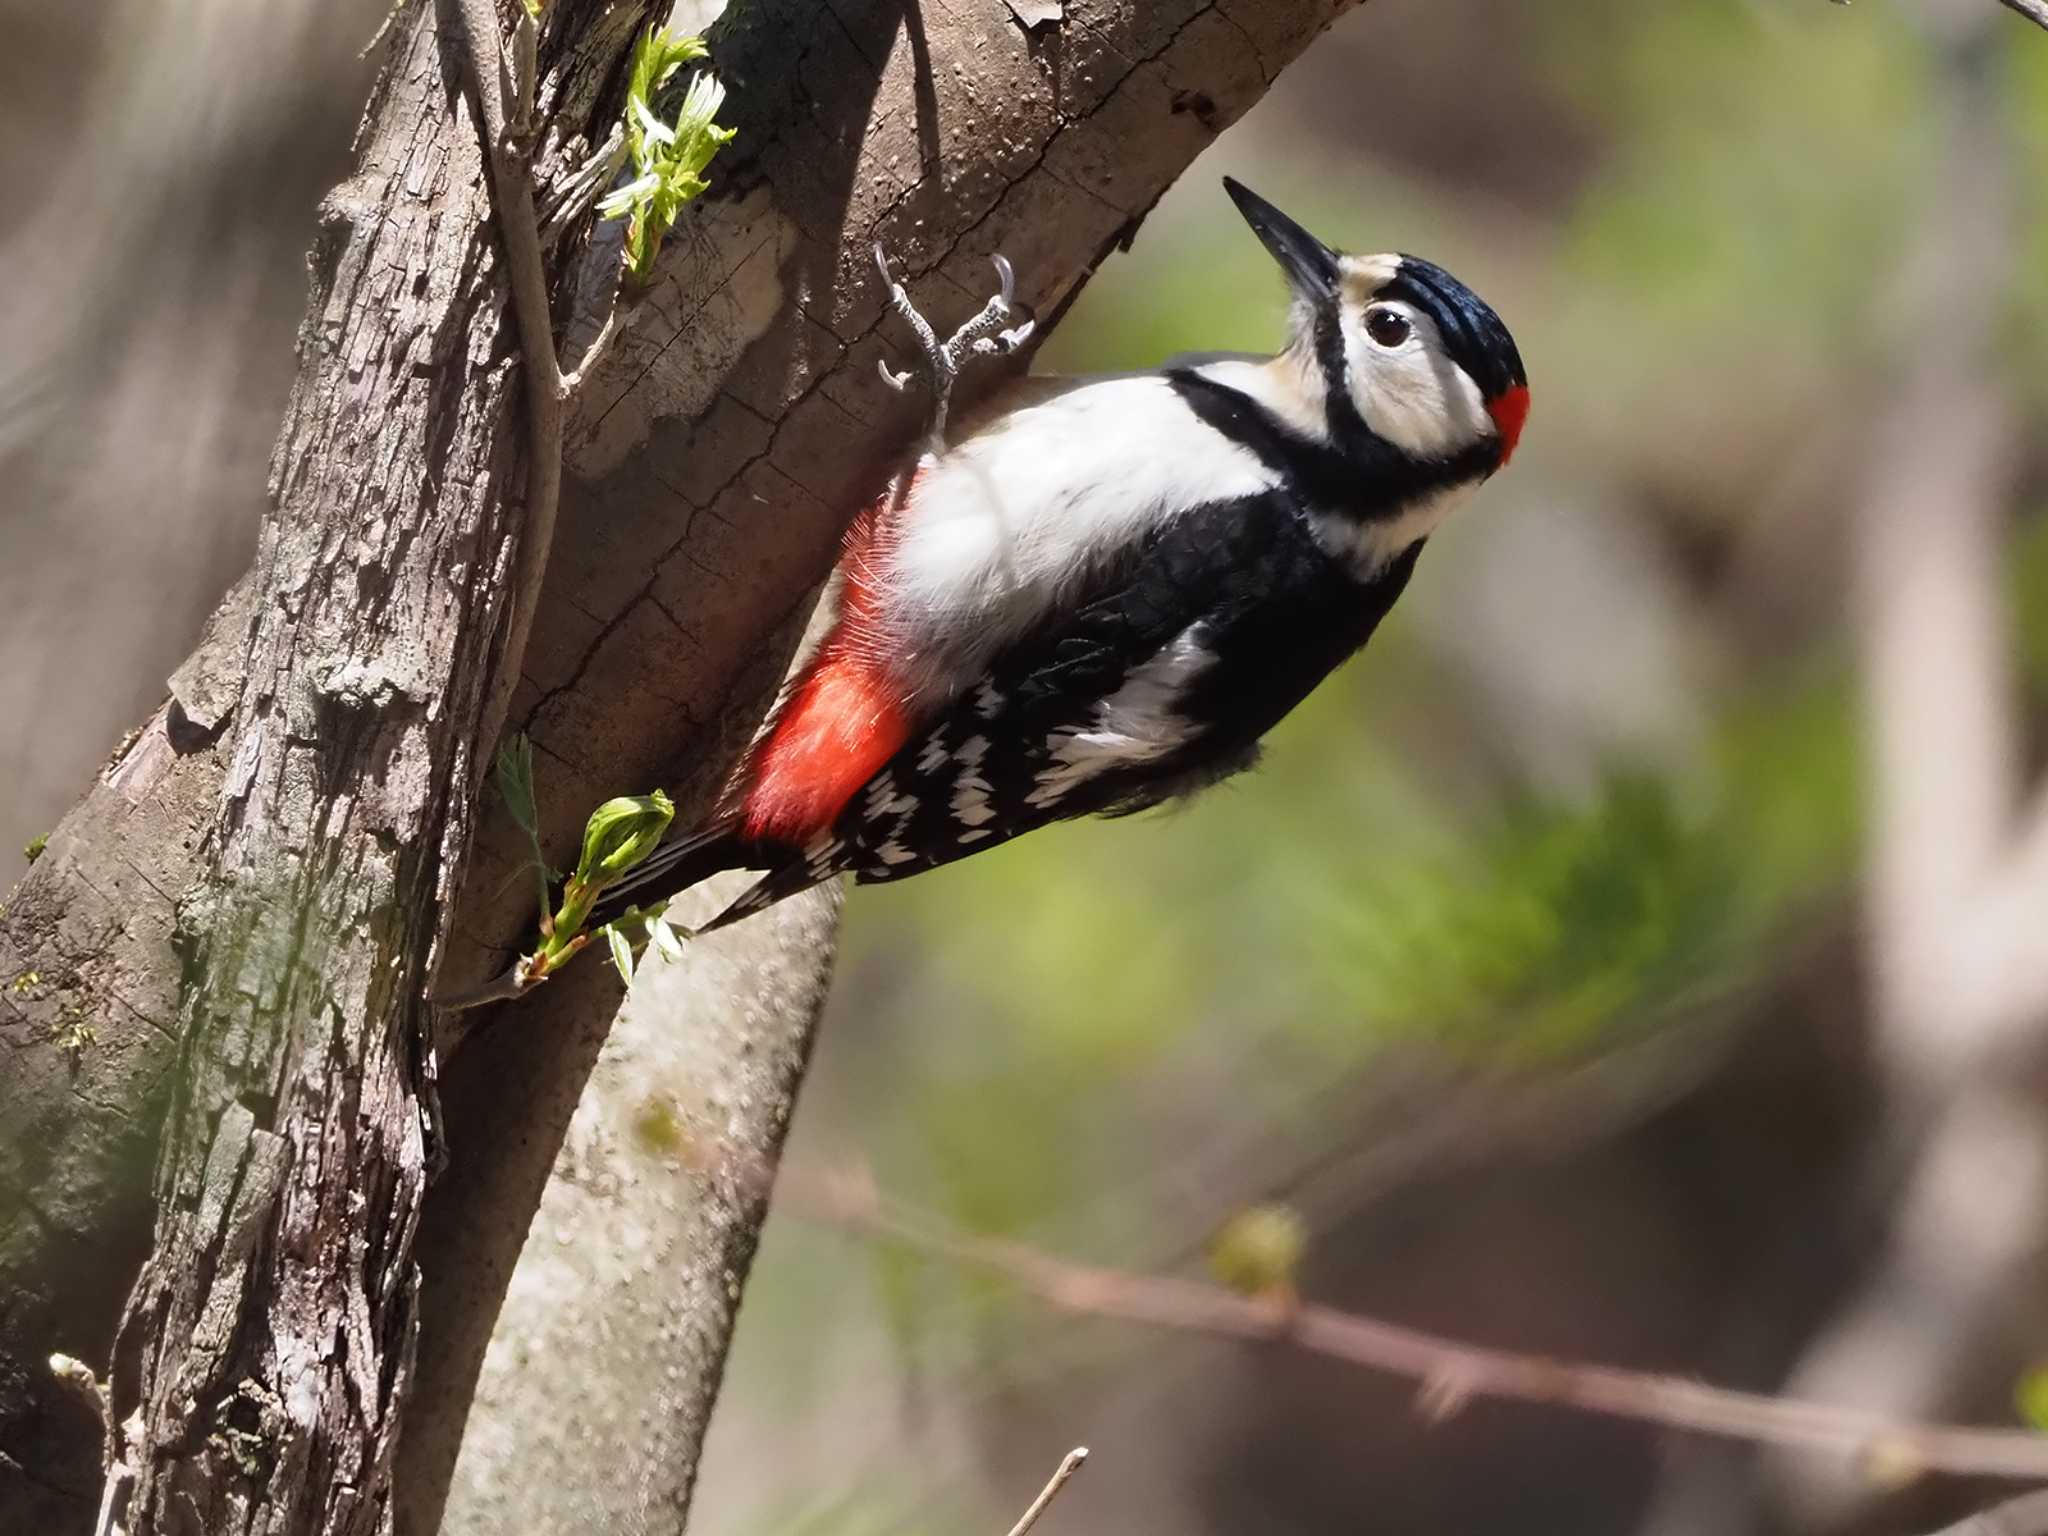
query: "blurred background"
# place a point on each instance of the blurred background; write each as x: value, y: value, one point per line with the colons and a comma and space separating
x: 1639, y: 954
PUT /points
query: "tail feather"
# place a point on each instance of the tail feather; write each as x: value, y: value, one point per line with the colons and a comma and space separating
x: 787, y: 879
x: 677, y: 865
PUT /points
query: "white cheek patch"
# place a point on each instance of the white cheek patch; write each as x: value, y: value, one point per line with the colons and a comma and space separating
x: 1413, y: 395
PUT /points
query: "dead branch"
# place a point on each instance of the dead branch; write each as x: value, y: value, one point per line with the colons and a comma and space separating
x: 1449, y: 1373
x: 1069, y: 1465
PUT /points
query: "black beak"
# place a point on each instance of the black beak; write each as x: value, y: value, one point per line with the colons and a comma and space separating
x: 1310, y: 265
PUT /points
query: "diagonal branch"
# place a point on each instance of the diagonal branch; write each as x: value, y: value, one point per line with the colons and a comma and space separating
x: 507, y: 130
x: 1450, y: 1372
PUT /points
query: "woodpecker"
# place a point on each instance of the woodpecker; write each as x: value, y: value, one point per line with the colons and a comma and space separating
x: 1100, y: 602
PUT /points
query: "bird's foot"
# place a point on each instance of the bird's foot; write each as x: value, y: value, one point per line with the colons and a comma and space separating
x: 987, y: 334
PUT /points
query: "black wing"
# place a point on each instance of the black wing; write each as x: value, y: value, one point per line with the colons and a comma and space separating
x: 1272, y: 611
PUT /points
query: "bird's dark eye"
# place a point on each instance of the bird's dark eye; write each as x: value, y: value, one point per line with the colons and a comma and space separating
x: 1387, y: 327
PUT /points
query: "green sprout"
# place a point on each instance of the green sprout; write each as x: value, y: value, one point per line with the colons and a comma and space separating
x: 668, y: 160
x: 619, y: 834
x: 515, y: 784
x: 34, y: 848
x: 622, y: 953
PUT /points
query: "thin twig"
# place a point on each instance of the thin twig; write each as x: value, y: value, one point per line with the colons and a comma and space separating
x: 515, y: 981
x: 1448, y: 1372
x: 507, y: 133
x: 78, y: 1376
x: 383, y: 28
x: 1069, y: 1465
x: 594, y: 353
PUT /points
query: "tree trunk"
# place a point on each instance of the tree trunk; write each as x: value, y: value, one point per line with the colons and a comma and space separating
x: 268, y: 1345
x: 261, y: 874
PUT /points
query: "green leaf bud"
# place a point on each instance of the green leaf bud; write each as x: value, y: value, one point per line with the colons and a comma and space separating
x: 619, y: 834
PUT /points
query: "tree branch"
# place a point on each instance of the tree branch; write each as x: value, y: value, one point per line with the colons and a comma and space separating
x: 1448, y: 1372
x: 268, y: 1347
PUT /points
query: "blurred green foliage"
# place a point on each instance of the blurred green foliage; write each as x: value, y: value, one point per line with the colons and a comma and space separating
x: 1720, y: 275
x: 1755, y: 155
x: 2030, y: 1397
x: 1070, y: 1035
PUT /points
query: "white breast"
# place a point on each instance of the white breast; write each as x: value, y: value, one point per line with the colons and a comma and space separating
x: 1001, y: 524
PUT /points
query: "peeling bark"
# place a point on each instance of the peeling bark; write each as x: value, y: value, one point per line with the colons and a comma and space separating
x: 263, y: 870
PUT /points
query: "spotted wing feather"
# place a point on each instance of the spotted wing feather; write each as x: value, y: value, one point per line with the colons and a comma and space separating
x: 1163, y: 682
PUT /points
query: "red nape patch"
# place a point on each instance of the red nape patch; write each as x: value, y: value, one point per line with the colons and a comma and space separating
x: 842, y: 725
x: 1509, y: 410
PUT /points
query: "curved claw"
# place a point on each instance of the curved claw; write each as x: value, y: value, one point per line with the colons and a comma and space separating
x: 882, y: 265
x: 1006, y: 280
x: 1003, y: 343
x: 896, y: 381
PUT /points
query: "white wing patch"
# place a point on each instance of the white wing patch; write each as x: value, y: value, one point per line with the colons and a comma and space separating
x: 821, y: 856
x: 1139, y: 723
x: 883, y: 800
x: 1042, y: 498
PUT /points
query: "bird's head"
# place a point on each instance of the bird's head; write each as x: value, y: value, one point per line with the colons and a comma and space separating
x: 1398, y: 348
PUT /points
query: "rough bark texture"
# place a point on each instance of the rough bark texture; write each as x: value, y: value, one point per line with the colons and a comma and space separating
x: 320, y: 749
x: 268, y: 1346
x: 130, y: 200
